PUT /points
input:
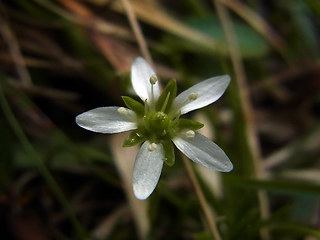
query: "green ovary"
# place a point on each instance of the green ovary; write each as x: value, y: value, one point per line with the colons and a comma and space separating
x: 155, y: 126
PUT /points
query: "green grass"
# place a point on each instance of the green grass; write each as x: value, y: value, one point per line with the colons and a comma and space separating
x: 62, y: 182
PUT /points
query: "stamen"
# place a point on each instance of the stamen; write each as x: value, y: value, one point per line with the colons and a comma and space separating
x: 153, y: 79
x: 193, y: 96
x: 122, y: 111
x: 190, y: 134
x: 128, y: 114
x: 152, y: 147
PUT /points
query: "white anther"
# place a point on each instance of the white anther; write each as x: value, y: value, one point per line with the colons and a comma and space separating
x: 122, y: 111
x: 153, y: 79
x: 190, y: 134
x: 193, y: 96
x: 152, y: 147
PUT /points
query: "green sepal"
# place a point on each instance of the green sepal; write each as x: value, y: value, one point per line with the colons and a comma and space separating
x: 183, y: 123
x: 134, y: 105
x: 133, y: 139
x: 167, y: 97
x: 168, y: 152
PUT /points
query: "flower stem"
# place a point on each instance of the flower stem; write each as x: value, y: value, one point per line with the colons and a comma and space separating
x: 203, y: 202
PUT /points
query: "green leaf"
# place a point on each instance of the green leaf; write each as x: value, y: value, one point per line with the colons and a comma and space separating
x: 133, y: 139
x: 189, y: 124
x: 167, y: 97
x: 169, y: 152
x: 251, y: 44
x: 134, y: 105
x: 315, y: 6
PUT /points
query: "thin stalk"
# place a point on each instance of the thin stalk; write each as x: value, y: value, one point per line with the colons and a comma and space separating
x: 203, y: 202
x: 40, y: 165
x: 137, y: 30
x: 241, y: 78
x: 144, y: 49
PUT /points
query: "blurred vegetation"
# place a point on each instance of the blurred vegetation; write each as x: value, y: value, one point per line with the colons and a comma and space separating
x: 59, y: 58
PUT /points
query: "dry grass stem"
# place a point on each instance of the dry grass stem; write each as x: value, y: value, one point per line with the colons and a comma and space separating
x: 246, y: 106
x: 309, y: 142
x: 257, y: 23
x: 44, y: 91
x: 154, y: 15
x: 203, y: 202
x: 14, y: 50
x: 124, y: 161
x: 293, y: 72
x: 84, y: 17
x: 137, y: 30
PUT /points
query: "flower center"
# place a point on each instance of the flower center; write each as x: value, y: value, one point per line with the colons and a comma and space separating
x: 158, y: 123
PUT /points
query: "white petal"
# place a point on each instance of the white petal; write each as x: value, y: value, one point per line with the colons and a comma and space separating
x: 208, y: 91
x: 205, y: 152
x: 147, y: 170
x: 107, y: 120
x: 141, y: 72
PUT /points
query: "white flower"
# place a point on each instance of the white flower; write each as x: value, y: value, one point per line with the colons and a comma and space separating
x: 157, y: 124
